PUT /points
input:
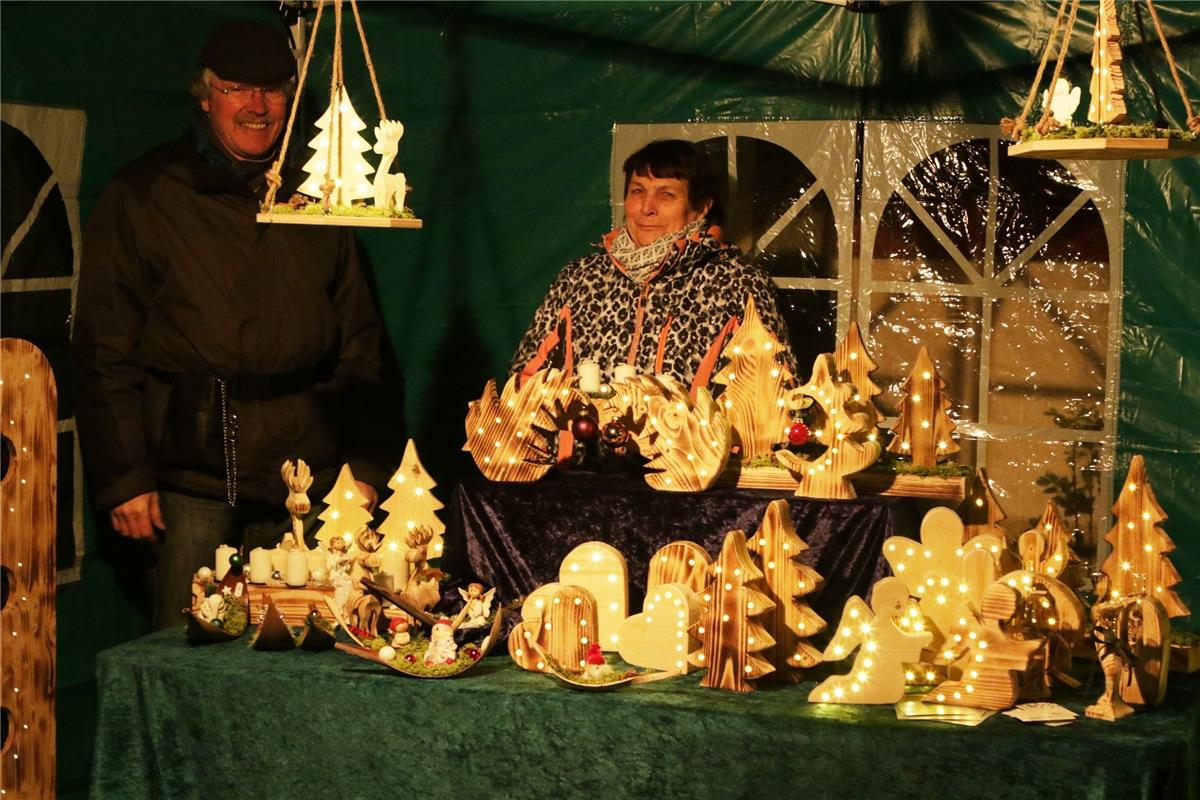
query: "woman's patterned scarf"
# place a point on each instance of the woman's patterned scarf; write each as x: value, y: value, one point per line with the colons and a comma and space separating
x: 640, y: 263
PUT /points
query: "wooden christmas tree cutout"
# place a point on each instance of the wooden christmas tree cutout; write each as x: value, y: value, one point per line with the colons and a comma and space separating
x: 1046, y: 548
x: 790, y: 623
x: 1107, y: 90
x: 993, y: 661
x: 755, y: 381
x: 881, y: 633
x: 507, y: 435
x: 855, y: 365
x: 1138, y: 561
x: 980, y: 510
x: 600, y: 568
x: 731, y: 638
x: 344, y: 515
x: 923, y: 431
x: 845, y: 428
x: 411, y: 505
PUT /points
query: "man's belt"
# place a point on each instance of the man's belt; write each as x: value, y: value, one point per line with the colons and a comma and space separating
x: 242, y: 388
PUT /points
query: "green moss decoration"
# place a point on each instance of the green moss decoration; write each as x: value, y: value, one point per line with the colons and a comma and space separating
x: 314, y: 210
x: 1141, y: 131
x: 234, y: 619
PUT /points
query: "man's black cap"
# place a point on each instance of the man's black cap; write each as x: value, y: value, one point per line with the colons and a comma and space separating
x: 249, y: 52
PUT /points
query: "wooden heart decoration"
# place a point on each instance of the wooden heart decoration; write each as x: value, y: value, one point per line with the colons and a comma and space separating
x: 658, y: 637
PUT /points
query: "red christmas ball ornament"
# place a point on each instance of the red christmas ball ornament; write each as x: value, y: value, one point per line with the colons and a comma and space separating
x: 585, y: 428
x: 798, y: 433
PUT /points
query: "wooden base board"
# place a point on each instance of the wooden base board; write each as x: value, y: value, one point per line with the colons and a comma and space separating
x: 293, y: 604
x: 344, y: 222
x: 1184, y: 658
x: 932, y: 488
x: 1105, y: 149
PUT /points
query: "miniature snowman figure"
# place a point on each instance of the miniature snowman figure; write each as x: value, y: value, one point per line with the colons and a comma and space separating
x: 442, y: 649
x: 596, y: 667
x: 398, y: 628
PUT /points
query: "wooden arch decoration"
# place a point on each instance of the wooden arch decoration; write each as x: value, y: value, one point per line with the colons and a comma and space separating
x: 28, y: 411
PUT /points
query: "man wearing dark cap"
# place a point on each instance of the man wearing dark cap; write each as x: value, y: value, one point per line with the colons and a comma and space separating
x: 210, y: 348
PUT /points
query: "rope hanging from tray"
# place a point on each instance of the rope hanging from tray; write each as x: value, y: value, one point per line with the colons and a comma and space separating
x: 274, y: 179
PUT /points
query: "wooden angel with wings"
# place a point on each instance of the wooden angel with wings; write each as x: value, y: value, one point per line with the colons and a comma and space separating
x: 888, y: 634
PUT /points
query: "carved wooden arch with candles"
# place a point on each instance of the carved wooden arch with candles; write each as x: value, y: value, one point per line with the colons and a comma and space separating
x: 28, y: 480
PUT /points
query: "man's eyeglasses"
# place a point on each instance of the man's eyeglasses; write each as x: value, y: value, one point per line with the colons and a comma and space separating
x: 244, y: 94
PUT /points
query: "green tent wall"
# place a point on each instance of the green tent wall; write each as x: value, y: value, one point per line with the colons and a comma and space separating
x: 509, y: 109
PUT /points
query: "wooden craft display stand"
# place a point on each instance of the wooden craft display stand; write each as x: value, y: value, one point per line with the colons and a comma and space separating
x: 28, y: 408
x: 293, y: 604
x: 1107, y: 149
x: 340, y: 221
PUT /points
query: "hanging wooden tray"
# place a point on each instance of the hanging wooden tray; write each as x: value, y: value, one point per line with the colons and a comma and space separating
x: 1105, y: 149
x: 345, y: 222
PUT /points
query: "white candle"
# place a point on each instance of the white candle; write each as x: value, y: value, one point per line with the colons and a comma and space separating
x: 589, y: 376
x: 260, y: 565
x: 394, y: 564
x: 222, y: 565
x: 279, y: 560
x: 624, y: 372
x: 297, y: 569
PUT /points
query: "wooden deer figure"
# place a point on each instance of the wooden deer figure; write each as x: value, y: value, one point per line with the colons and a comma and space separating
x: 389, y: 189
x: 298, y: 479
x: 422, y: 587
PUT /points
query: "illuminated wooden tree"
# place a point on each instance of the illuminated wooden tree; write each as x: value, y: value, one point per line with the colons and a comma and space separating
x: 980, y: 510
x: 730, y: 637
x: 507, y: 434
x: 994, y: 661
x: 344, y: 514
x: 411, y: 505
x: 885, y: 640
x: 1138, y: 562
x: 754, y: 378
x: 1046, y: 548
x: 338, y: 155
x: 845, y: 428
x: 943, y: 571
x: 855, y: 364
x: 1107, y: 89
x: 556, y: 621
x: 923, y: 430
x: 790, y: 623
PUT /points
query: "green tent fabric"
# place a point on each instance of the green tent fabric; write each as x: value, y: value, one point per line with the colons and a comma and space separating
x: 509, y: 109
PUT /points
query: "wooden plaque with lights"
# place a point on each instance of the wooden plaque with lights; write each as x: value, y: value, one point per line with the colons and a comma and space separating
x: 28, y: 403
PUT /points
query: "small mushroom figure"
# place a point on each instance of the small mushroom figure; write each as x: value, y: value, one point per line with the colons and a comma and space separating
x: 398, y: 628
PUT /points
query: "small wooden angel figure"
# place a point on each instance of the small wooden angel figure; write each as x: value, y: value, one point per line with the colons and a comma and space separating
x: 887, y: 644
x: 477, y: 605
x: 442, y: 647
x: 298, y: 479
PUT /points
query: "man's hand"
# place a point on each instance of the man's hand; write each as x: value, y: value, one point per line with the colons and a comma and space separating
x: 368, y: 491
x: 138, y: 517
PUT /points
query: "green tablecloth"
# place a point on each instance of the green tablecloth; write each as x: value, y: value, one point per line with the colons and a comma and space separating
x: 224, y: 721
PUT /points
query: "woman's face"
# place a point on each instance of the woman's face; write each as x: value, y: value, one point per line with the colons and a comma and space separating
x: 655, y: 207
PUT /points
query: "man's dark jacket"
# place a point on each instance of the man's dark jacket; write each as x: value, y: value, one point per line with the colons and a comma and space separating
x: 180, y: 285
